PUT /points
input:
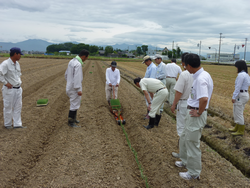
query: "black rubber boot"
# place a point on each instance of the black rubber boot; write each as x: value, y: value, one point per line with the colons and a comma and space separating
x: 157, y: 120
x: 71, y: 119
x: 76, y: 121
x: 150, y: 124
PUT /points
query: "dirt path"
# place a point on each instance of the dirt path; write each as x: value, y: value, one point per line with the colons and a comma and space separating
x: 50, y: 154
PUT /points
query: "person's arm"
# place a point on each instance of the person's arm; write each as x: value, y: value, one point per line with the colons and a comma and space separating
x: 147, y: 98
x: 238, y: 84
x: 153, y: 73
x: 176, y: 100
x: 151, y: 95
x: 119, y: 78
x: 202, y: 105
x: 77, y: 78
x: 107, y: 77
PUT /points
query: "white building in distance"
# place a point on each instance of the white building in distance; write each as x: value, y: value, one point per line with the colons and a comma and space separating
x: 224, y: 57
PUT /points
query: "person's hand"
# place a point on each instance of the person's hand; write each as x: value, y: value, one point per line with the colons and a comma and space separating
x: 193, y: 113
x: 233, y: 100
x: 117, y: 85
x: 173, y: 108
x: 8, y: 85
x: 79, y: 93
x: 149, y: 107
x: 110, y: 84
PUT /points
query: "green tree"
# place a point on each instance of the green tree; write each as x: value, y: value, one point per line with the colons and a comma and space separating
x: 144, y: 48
x: 169, y: 54
x: 178, y: 52
x: 100, y: 48
x: 139, y: 50
x: 108, y: 49
x: 77, y: 48
x: 93, y: 48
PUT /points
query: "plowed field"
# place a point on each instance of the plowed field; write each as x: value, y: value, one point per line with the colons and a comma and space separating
x: 49, y: 153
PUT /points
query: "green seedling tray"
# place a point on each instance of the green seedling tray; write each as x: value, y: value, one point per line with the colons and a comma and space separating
x: 42, y: 102
x: 115, y: 104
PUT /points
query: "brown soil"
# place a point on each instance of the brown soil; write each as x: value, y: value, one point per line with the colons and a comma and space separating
x: 49, y: 153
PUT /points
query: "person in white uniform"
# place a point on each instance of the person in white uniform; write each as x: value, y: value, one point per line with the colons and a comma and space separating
x: 198, y: 103
x: 161, y: 72
x: 10, y: 73
x: 112, y: 81
x: 150, y: 73
x: 182, y: 89
x: 240, y: 97
x: 74, y: 77
x: 160, y: 92
x: 172, y: 73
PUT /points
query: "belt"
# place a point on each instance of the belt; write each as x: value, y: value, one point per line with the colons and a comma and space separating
x: 170, y: 77
x: 194, y: 108
x: 182, y: 99
x: 160, y: 89
x: 243, y: 91
x: 14, y: 87
x: 160, y: 78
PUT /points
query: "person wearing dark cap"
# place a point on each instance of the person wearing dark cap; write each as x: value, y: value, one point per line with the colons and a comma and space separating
x: 74, y: 78
x: 112, y: 81
x: 10, y: 73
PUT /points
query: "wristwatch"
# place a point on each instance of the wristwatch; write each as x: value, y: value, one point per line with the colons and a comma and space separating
x: 198, y: 113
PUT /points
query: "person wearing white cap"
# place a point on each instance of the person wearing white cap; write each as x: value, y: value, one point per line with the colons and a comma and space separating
x: 74, y: 77
x: 112, y: 81
x: 10, y: 73
x: 161, y: 72
x: 172, y: 72
x: 150, y: 73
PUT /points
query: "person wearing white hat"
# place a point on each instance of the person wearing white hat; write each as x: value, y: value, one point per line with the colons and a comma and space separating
x: 150, y: 73
x: 10, y: 73
x: 161, y: 72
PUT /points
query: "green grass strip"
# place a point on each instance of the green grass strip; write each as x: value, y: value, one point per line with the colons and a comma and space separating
x: 144, y: 177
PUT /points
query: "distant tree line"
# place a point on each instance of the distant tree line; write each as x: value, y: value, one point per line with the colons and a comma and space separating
x: 73, y: 48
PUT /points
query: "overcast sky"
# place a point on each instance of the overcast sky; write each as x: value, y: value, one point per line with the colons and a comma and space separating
x: 103, y: 22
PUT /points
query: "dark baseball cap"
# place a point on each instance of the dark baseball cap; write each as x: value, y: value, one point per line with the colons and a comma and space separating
x: 16, y: 50
x: 113, y: 64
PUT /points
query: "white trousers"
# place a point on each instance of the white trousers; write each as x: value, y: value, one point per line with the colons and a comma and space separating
x: 159, y: 98
x: 189, y: 144
x: 164, y: 82
x: 238, y: 107
x: 109, y: 92
x: 75, y: 100
x: 180, y: 116
x: 170, y: 83
x: 12, y: 106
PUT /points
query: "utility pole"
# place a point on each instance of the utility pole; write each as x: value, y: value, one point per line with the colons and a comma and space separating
x: 245, y: 49
x: 219, y: 48
x: 234, y: 51
x: 173, y: 50
x: 200, y: 50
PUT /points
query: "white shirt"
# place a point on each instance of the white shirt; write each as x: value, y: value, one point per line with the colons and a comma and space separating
x: 151, y: 84
x: 184, y: 84
x: 10, y: 72
x: 151, y: 71
x: 112, y: 77
x: 161, y: 71
x: 74, y: 76
x: 173, y: 70
x: 242, y: 82
x: 202, y: 87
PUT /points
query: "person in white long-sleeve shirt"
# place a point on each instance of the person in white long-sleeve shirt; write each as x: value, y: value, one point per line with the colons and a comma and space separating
x: 172, y: 72
x: 240, y: 97
x: 10, y: 73
x: 112, y: 81
x: 74, y: 77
